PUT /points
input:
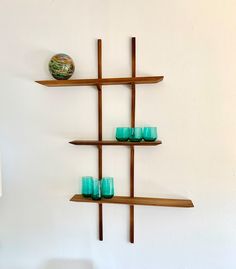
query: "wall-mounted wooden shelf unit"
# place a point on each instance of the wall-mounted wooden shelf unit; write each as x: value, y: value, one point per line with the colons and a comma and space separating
x: 132, y: 82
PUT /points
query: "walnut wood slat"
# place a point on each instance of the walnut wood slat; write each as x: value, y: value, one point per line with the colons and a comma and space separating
x: 113, y: 143
x: 147, y: 201
x: 133, y: 95
x: 100, y: 81
x: 99, y: 87
x: 131, y: 212
x: 133, y: 53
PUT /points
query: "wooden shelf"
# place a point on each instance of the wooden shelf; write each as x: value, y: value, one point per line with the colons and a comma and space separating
x: 114, y: 143
x: 100, y: 81
x: 125, y: 200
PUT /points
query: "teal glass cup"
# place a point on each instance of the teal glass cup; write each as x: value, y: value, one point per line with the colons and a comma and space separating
x: 107, y: 187
x: 150, y: 133
x: 96, y: 193
x: 122, y: 133
x: 136, y: 134
x: 87, y: 186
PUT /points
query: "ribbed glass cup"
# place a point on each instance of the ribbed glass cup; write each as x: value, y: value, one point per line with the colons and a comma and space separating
x: 150, y: 133
x: 136, y: 134
x: 107, y: 187
x: 87, y: 186
x: 96, y: 194
x: 123, y: 133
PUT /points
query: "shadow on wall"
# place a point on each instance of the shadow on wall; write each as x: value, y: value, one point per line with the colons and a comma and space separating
x: 68, y: 264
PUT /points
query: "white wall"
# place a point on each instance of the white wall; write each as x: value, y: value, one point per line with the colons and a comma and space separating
x: 193, y: 44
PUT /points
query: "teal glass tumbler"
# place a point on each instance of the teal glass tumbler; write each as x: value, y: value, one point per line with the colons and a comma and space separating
x: 150, y: 133
x: 87, y: 186
x: 136, y: 134
x: 107, y: 187
x: 96, y: 194
x: 123, y: 133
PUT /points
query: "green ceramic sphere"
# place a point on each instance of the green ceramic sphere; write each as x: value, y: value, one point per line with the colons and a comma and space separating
x: 61, y: 66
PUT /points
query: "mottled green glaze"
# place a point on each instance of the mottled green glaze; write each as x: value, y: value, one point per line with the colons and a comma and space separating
x: 61, y: 66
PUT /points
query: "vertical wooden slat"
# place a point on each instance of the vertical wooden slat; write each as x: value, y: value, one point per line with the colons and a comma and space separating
x: 133, y: 93
x: 133, y: 85
x: 132, y: 193
x: 99, y: 87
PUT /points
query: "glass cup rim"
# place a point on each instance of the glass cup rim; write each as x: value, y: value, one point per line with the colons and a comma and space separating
x: 150, y: 127
x: 117, y: 128
x: 107, y: 178
x: 87, y: 177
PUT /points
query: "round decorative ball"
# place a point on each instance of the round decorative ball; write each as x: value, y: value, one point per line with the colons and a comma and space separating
x: 61, y: 66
